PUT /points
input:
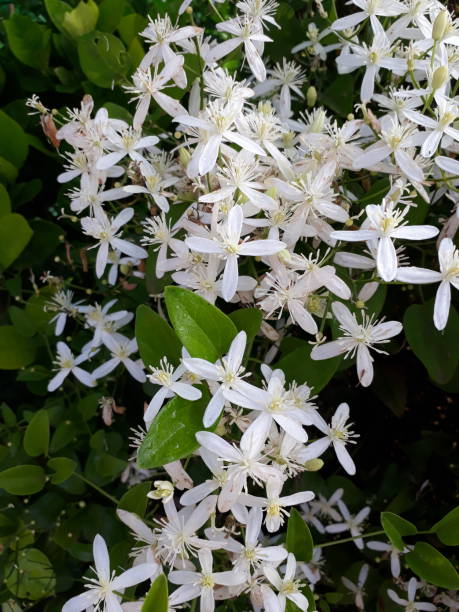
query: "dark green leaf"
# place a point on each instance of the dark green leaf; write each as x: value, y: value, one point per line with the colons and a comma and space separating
x: 157, y: 597
x: 437, y: 350
x: 29, y: 41
x: 248, y: 320
x: 202, y: 328
x: 23, y: 479
x: 103, y: 58
x: 36, y: 437
x: 430, y: 565
x: 15, y: 233
x: 395, y: 527
x: 5, y: 202
x: 13, y: 143
x: 63, y: 468
x: 299, y: 538
x: 110, y: 14
x: 31, y: 575
x: 135, y: 499
x: 44, y: 242
x: 298, y: 366
x: 130, y: 26
x: 21, y: 322
x: 172, y: 434
x: 334, y: 96
x: 155, y: 337
x: 16, y: 351
x: 447, y: 529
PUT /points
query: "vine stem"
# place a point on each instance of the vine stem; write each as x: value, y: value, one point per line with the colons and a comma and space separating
x: 96, y: 487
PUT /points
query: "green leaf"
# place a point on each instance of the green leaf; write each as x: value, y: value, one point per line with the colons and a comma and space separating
x: 7, y: 170
x: 202, y: 328
x: 437, y: 350
x: 172, y: 434
x: 135, y: 499
x: 5, y: 202
x: 248, y: 320
x: 299, y: 538
x: 29, y: 41
x: 16, y: 351
x: 155, y: 337
x: 23, y: 479
x: 36, y: 437
x: 333, y: 96
x: 298, y: 366
x: 15, y: 233
x: 63, y: 468
x: 447, y: 529
x: 82, y: 19
x: 395, y: 527
x: 430, y: 565
x: 103, y: 58
x: 45, y: 240
x: 22, y: 322
x: 56, y: 11
x: 130, y: 26
x: 110, y: 14
x: 157, y: 597
x: 13, y: 144
x: 30, y: 575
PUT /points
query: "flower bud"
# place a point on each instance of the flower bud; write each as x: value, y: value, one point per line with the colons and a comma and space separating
x: 311, y: 96
x: 440, y: 25
x: 313, y: 465
x: 285, y: 256
x: 184, y: 156
x: 163, y: 490
x: 440, y: 77
x: 125, y: 269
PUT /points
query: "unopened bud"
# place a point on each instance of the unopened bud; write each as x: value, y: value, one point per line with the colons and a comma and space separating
x: 350, y: 117
x: 164, y: 490
x: 189, y: 10
x: 313, y: 465
x: 177, y: 134
x: 285, y: 256
x: 440, y: 25
x: 124, y: 269
x: 349, y: 222
x: 184, y: 156
x: 311, y: 96
x: 440, y: 76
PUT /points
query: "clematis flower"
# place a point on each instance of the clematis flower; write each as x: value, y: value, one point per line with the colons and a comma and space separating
x: 357, y: 589
x: 121, y: 351
x: 357, y: 340
x: 411, y: 603
x: 105, y: 589
x: 68, y: 364
x: 350, y: 523
x: 287, y: 588
x: 227, y: 244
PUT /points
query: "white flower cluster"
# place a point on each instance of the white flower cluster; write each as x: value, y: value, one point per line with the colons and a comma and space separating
x: 266, y: 213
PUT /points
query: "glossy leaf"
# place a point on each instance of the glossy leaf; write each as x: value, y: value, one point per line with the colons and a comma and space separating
x: 157, y: 597
x: 103, y: 58
x: 63, y: 468
x: 82, y: 19
x: 5, y: 202
x: 447, y: 529
x: 110, y: 14
x: 202, y: 328
x: 31, y: 575
x: 16, y: 351
x: 135, y: 499
x: 299, y: 539
x: 29, y: 41
x: 437, y: 350
x: 15, y: 234
x: 248, y: 320
x: 155, y: 337
x: 13, y: 144
x: 430, y: 565
x: 298, y: 366
x: 23, y: 479
x: 395, y: 527
x: 36, y: 437
x: 172, y: 434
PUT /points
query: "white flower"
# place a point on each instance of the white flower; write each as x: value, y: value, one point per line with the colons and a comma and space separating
x: 177, y: 535
x: 128, y: 142
x: 106, y: 231
x: 446, y: 114
x: 286, y: 587
x: 121, y: 351
x: 251, y: 555
x: 216, y: 124
x: 227, y: 372
x: 105, y: 323
x: 357, y: 589
x: 369, y: 9
x: 385, y: 222
x: 244, y: 462
x: 338, y: 434
x: 91, y: 194
x: 142, y: 534
x: 227, y: 243
x: 273, y: 404
x: 350, y: 523
x: 392, y: 551
x: 201, y: 584
x: 62, y: 302
x: 448, y: 257
x: 244, y: 31
x: 167, y: 377
x: 274, y: 505
x: 106, y: 588
x: 357, y: 340
x: 289, y: 78
x: 66, y: 363
x: 410, y: 604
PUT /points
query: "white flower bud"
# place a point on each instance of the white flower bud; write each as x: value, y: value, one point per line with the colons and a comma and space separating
x: 311, y: 95
x: 163, y: 490
x: 440, y: 25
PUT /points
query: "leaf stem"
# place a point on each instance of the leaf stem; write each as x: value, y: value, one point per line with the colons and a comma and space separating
x: 96, y: 487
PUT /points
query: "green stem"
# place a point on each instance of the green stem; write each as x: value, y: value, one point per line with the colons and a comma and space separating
x: 97, y: 488
x: 364, y: 535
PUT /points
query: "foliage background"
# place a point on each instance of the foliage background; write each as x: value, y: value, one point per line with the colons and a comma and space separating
x: 407, y: 451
